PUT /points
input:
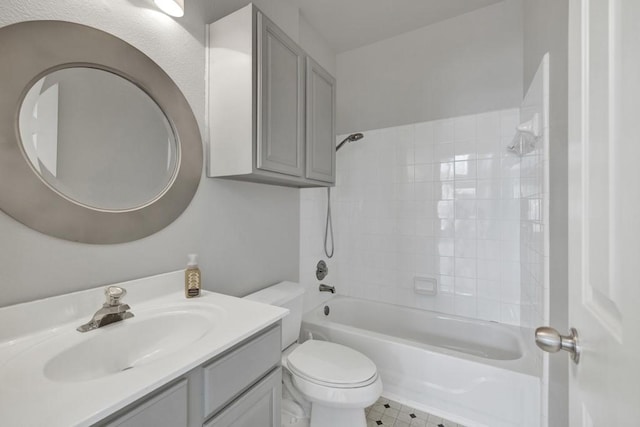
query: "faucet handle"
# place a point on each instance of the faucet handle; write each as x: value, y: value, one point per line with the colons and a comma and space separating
x: 114, y: 294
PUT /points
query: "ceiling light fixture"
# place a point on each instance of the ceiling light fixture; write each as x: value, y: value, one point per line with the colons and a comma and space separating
x: 171, y: 7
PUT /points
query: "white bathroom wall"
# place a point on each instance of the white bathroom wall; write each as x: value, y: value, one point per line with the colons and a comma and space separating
x: 316, y: 46
x: 546, y: 24
x: 285, y: 13
x: 534, y: 223
x: 534, y: 207
x: 465, y: 65
x: 434, y: 199
x: 247, y: 235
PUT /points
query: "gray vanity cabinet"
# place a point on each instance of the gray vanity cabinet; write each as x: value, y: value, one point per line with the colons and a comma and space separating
x: 271, y: 107
x: 240, y: 388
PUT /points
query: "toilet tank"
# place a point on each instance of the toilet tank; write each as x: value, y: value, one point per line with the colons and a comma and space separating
x: 288, y: 295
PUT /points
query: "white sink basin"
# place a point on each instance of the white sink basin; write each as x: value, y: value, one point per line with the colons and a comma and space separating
x: 128, y: 344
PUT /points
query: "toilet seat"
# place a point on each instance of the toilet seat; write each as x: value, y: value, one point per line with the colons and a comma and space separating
x: 331, y: 365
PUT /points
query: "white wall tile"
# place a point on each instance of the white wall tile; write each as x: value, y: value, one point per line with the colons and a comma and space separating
x: 465, y: 189
x: 465, y: 208
x: 488, y: 126
x: 444, y: 228
x: 509, y: 120
x: 488, y: 310
x: 465, y: 306
x: 404, y: 153
x: 424, y: 133
x: 489, y: 270
x: 489, y: 189
x: 465, y: 248
x: 423, y: 172
x: 510, y: 314
x: 444, y: 152
x: 488, y: 168
x: 443, y: 131
x: 444, y: 247
x: 490, y: 209
x: 489, y: 289
x: 465, y: 268
x: 444, y: 171
x: 465, y: 229
x: 444, y: 190
x: 489, y: 249
x: 465, y: 150
x: 464, y: 128
x: 465, y: 170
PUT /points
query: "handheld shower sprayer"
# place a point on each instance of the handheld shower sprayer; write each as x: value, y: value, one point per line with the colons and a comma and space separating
x: 351, y: 138
x: 329, y: 224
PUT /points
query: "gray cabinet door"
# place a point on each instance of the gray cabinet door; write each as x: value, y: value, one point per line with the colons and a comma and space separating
x: 280, y: 101
x: 168, y: 408
x: 259, y: 407
x: 321, y: 130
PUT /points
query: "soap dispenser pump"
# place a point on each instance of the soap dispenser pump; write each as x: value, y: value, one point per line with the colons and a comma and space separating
x: 192, y: 282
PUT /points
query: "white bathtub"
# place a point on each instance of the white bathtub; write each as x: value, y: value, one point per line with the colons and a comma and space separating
x: 472, y: 372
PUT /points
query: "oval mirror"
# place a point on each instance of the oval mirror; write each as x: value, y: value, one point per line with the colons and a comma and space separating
x: 97, y: 139
x: 97, y: 143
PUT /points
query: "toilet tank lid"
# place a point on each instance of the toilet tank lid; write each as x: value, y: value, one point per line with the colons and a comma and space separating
x: 278, y: 294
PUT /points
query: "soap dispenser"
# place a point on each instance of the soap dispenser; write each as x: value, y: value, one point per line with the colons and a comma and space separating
x: 192, y: 283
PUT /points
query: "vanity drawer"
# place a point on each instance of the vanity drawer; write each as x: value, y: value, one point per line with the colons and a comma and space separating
x: 168, y: 408
x: 259, y: 406
x: 229, y: 376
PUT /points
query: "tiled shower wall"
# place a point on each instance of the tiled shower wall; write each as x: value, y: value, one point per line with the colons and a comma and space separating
x: 437, y: 200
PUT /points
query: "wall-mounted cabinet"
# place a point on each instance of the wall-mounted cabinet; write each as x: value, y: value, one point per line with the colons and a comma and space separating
x: 271, y: 107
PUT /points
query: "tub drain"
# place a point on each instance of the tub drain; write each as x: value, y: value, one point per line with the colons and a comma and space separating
x: 326, y: 310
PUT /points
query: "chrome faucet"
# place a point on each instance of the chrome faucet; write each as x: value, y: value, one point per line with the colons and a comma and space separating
x: 327, y: 288
x: 112, y: 310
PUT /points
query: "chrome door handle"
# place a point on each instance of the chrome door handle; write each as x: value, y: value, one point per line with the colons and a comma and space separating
x: 550, y: 340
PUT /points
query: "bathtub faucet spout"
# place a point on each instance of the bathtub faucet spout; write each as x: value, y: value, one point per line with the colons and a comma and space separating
x: 327, y: 288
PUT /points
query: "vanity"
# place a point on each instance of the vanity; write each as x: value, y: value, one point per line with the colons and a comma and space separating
x: 209, y: 361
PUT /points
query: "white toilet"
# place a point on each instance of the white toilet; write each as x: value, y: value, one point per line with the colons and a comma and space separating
x: 336, y: 380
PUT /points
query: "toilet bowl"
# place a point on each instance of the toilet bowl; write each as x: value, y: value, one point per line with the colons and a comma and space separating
x: 337, y: 381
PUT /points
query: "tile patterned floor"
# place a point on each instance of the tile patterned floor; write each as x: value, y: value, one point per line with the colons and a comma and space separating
x: 386, y: 412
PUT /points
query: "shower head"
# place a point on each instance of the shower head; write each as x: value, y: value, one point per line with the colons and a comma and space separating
x: 350, y: 138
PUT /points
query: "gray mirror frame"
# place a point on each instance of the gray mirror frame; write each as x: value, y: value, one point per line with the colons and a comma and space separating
x: 29, y: 50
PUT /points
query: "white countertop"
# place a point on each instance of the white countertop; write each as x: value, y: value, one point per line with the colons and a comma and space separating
x: 34, y: 332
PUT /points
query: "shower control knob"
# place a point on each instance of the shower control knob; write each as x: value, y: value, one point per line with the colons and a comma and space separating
x: 321, y: 270
x: 550, y: 340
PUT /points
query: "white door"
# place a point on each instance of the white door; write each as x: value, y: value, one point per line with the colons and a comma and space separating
x: 604, y: 211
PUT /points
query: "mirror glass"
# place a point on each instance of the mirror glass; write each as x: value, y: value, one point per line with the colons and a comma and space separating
x: 98, y: 139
